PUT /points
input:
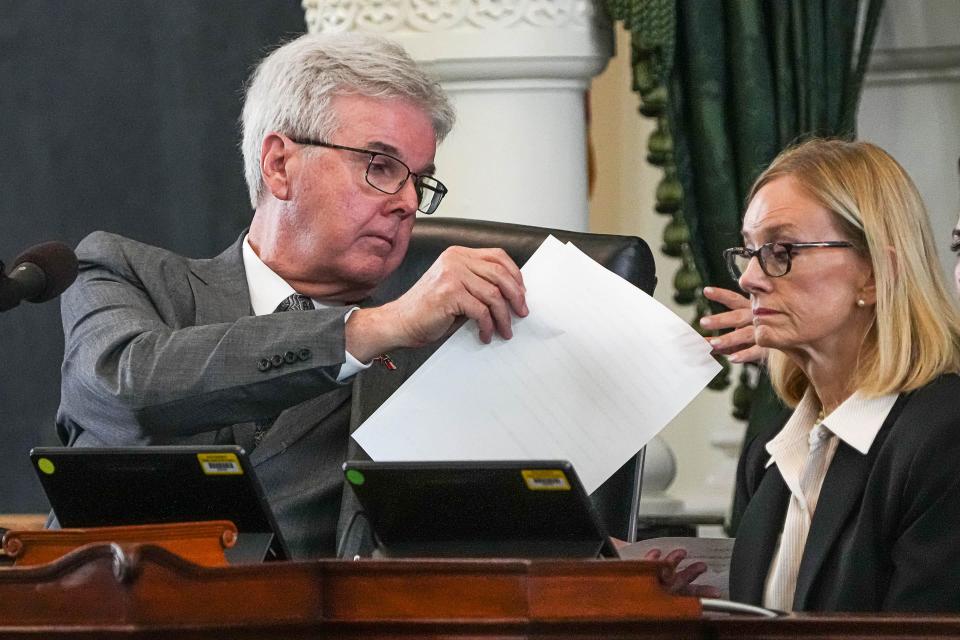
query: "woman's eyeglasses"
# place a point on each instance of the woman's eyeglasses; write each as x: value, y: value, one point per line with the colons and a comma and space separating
x: 775, y: 258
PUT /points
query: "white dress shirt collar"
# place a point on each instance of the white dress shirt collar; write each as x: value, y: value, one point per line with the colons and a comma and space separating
x: 267, y: 289
x: 856, y: 421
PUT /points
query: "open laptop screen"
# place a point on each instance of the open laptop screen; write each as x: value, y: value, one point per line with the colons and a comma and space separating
x: 478, y: 509
x: 97, y: 487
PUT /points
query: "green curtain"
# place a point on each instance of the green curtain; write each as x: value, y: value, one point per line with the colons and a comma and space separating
x: 749, y: 78
x: 739, y: 80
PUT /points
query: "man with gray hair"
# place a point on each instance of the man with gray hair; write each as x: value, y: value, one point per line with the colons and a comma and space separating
x: 339, y: 137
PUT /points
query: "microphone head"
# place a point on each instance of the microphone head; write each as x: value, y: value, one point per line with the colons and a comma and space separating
x: 58, y: 263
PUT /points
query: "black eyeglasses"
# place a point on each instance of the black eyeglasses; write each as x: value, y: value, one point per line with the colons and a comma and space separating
x: 775, y: 258
x: 388, y: 174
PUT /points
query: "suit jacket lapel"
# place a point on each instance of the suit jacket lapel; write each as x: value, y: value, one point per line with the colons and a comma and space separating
x: 373, y: 386
x: 221, y: 295
x: 370, y: 389
x: 841, y: 492
x: 757, y: 538
x: 220, y: 286
x: 293, y: 423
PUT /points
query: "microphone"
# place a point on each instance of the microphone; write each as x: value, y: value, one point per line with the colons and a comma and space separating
x: 39, y: 274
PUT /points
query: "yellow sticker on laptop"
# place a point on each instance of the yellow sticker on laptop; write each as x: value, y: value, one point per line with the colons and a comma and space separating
x: 220, y: 464
x: 545, y: 479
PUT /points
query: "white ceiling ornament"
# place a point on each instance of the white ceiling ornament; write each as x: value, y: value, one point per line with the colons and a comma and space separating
x: 383, y: 16
x: 435, y: 15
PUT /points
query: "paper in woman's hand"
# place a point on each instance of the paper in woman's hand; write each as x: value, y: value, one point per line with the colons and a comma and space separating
x: 714, y: 552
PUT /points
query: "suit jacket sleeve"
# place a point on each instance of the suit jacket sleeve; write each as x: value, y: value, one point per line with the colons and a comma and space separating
x: 139, y: 367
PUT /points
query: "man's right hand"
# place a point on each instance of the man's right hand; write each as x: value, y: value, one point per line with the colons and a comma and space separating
x: 484, y: 285
x: 740, y: 343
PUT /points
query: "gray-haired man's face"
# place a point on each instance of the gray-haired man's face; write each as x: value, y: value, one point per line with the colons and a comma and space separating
x: 347, y: 232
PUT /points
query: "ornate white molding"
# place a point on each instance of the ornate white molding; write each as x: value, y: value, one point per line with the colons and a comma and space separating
x: 497, y: 44
x: 914, y: 65
x: 516, y: 71
x: 386, y: 16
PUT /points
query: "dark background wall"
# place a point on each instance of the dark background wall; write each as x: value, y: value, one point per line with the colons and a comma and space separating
x: 117, y: 115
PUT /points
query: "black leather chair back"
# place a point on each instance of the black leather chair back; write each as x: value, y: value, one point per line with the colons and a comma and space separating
x: 627, y: 256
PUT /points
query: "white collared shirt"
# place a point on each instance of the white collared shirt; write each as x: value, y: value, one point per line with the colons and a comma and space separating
x: 268, y: 290
x: 856, y: 422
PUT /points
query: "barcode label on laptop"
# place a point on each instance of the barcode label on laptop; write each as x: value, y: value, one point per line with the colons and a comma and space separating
x: 216, y: 464
x: 545, y: 479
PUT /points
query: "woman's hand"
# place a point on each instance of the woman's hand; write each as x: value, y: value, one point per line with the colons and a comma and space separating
x: 738, y: 344
x: 681, y: 582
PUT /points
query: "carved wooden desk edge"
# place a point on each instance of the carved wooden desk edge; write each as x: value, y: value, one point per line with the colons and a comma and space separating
x: 199, y: 542
x: 144, y: 591
x: 147, y: 585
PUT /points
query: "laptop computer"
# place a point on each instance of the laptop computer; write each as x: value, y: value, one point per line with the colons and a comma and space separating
x: 515, y: 509
x: 99, y: 487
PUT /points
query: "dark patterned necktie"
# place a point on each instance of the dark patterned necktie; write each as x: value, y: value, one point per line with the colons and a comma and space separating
x: 293, y: 302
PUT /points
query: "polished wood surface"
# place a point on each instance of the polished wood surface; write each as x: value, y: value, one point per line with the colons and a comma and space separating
x: 202, y: 543
x: 106, y: 591
x: 147, y: 586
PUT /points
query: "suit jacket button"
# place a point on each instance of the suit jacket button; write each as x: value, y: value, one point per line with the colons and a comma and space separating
x: 263, y: 364
x: 277, y: 360
x: 304, y: 354
x: 290, y: 357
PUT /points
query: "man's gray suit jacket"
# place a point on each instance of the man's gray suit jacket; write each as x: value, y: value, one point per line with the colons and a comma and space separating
x: 162, y: 349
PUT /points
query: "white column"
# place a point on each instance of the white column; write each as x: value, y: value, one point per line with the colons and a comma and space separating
x: 516, y: 71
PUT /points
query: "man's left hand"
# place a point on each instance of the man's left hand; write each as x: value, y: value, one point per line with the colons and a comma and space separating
x: 483, y: 285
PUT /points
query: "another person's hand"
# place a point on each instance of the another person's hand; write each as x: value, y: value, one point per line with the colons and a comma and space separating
x: 681, y: 582
x: 484, y: 285
x: 738, y: 344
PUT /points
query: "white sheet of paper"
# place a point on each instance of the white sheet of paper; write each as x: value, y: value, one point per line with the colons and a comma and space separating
x: 714, y: 552
x: 595, y: 370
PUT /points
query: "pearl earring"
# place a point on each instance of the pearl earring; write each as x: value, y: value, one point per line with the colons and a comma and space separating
x: 861, y: 302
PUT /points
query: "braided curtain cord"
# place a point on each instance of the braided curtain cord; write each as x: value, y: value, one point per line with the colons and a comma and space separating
x: 652, y: 26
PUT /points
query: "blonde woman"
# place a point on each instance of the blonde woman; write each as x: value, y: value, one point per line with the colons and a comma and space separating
x: 853, y: 505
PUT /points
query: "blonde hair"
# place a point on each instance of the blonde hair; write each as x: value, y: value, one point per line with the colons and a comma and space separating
x: 915, y: 335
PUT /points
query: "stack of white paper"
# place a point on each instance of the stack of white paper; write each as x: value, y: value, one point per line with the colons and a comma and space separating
x: 595, y: 370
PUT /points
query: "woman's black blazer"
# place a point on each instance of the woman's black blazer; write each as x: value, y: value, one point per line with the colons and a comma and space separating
x: 886, y: 532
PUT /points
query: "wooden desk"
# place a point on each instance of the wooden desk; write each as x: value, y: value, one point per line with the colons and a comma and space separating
x: 18, y: 521
x: 202, y: 543
x: 102, y: 592
x: 146, y: 588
